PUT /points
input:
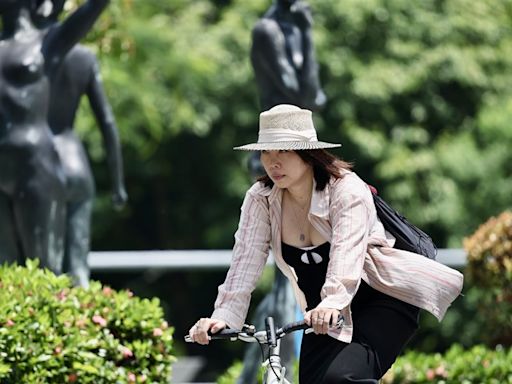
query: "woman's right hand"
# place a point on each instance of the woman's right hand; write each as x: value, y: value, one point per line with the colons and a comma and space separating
x: 199, y: 331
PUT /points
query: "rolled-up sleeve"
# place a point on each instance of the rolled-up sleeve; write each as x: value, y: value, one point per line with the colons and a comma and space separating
x: 350, y: 214
x: 250, y: 253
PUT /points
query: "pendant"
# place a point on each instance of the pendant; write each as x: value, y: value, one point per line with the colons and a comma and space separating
x: 302, y: 237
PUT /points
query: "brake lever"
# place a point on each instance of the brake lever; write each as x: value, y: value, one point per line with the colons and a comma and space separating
x: 250, y: 330
x: 339, y: 324
x: 341, y: 321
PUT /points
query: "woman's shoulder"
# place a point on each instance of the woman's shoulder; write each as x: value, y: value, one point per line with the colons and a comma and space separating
x: 256, y: 199
x: 259, y: 190
x: 350, y: 183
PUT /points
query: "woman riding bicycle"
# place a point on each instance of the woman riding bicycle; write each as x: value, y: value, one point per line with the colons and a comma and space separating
x: 319, y: 219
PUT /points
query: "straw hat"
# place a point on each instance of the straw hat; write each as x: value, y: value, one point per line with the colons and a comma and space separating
x: 286, y: 127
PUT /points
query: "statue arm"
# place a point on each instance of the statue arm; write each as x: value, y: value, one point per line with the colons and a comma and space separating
x: 61, y: 37
x: 312, y: 93
x: 106, y: 121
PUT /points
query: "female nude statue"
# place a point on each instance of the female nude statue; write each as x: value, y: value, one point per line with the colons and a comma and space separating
x: 79, y: 75
x: 32, y: 181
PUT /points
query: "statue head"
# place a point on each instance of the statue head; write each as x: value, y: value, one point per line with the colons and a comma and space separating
x: 285, y: 3
x: 44, y: 11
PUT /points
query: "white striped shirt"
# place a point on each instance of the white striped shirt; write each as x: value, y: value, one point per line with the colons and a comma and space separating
x: 344, y: 214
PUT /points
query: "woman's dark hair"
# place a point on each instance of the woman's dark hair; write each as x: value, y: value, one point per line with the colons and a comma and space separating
x: 325, y: 165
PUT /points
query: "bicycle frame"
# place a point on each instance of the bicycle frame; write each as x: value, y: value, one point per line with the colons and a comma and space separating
x: 274, y: 372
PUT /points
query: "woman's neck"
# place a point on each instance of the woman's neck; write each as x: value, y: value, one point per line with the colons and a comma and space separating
x: 301, y: 192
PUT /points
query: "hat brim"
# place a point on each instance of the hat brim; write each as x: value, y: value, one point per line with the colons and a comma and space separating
x: 287, y: 146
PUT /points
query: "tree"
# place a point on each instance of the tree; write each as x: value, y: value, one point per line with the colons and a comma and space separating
x: 419, y: 94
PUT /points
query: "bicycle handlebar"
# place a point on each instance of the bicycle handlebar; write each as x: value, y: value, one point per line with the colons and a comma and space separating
x: 223, y: 334
x: 271, y: 335
x: 268, y: 336
x: 292, y: 327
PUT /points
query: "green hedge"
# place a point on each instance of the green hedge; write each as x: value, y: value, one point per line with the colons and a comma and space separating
x: 232, y: 373
x: 489, y: 268
x: 51, y: 332
x: 477, y: 365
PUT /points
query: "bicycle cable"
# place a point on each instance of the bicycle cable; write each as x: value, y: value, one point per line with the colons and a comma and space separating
x: 271, y: 366
x: 269, y: 355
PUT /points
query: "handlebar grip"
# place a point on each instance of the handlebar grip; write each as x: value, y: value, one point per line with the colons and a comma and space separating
x: 295, y: 326
x: 223, y: 334
x: 271, y: 331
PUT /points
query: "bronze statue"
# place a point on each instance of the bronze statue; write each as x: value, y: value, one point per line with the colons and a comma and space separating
x: 79, y: 75
x: 32, y: 180
x: 283, y: 59
x: 286, y: 71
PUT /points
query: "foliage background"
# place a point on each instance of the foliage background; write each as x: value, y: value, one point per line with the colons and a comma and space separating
x: 420, y: 95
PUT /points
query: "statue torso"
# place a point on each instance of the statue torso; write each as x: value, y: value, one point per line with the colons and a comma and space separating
x: 23, y: 83
x: 293, y: 42
x: 25, y: 139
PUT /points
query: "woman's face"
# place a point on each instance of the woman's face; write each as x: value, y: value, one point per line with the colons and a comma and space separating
x: 285, y: 168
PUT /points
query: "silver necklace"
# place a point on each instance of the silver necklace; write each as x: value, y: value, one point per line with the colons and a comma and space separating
x: 302, y: 236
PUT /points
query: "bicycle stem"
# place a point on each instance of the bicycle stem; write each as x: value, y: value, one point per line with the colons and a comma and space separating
x: 275, y: 373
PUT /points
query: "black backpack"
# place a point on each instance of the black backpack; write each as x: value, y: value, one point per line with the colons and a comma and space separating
x: 408, y: 236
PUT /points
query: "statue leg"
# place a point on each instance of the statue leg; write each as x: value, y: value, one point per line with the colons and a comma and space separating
x: 39, y: 215
x: 252, y: 356
x: 280, y: 304
x: 80, y: 194
x: 9, y: 249
x: 284, y: 313
x: 78, y: 228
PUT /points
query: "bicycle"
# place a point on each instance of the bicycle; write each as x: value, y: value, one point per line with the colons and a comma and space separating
x: 273, y: 371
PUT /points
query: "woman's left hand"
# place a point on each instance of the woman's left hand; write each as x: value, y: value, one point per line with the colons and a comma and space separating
x: 321, y: 319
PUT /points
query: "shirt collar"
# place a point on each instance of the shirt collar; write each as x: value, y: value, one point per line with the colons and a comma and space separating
x: 319, y: 200
x: 273, y: 193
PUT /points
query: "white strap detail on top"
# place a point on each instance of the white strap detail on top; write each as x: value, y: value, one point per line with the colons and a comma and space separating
x: 317, y: 259
x: 272, y: 135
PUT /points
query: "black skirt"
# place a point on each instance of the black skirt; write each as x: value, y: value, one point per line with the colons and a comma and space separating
x: 382, y: 327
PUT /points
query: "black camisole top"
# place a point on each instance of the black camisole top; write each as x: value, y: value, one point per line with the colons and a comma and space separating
x: 310, y: 265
